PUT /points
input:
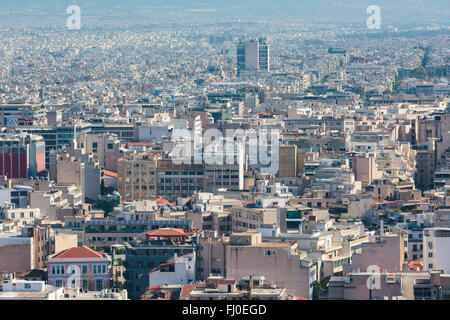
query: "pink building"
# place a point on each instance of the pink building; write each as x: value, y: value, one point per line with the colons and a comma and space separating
x: 79, y: 268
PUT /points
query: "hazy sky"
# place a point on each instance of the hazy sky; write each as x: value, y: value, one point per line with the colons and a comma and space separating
x: 394, y: 12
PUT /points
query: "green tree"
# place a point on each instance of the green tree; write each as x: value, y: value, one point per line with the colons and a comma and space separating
x: 419, y: 72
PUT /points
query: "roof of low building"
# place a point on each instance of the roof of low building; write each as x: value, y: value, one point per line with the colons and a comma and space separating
x: 77, y: 252
x: 173, y: 232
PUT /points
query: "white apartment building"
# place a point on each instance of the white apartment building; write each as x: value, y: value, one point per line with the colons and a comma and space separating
x: 177, y: 270
x: 436, y: 253
x: 21, y: 215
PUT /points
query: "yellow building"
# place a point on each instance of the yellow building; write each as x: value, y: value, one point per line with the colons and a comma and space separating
x: 137, y: 177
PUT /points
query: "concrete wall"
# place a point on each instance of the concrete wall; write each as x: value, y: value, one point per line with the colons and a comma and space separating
x: 387, y: 255
x: 16, y: 255
x: 282, y: 268
x: 65, y: 241
x: 212, y: 260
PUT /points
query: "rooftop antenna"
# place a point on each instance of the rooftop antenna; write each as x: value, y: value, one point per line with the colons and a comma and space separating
x: 75, y: 137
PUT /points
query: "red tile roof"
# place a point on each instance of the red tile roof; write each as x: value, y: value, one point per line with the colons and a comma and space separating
x: 140, y: 144
x: 187, y: 289
x: 162, y: 201
x: 77, y: 252
x: 111, y: 173
x: 154, y: 288
x: 173, y: 232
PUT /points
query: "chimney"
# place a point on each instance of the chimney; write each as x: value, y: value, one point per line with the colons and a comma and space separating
x: 381, y: 230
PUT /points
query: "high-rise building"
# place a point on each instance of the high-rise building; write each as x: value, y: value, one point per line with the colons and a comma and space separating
x: 137, y: 177
x: 253, y: 54
x: 55, y: 137
x: 264, y: 54
x: 22, y: 155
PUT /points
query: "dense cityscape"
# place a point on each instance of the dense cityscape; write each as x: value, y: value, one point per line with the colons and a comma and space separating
x: 211, y: 153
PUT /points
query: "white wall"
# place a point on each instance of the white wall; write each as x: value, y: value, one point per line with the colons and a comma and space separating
x: 439, y: 248
x: 184, y: 272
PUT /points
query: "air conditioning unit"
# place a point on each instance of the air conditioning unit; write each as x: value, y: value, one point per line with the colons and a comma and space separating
x: 391, y: 279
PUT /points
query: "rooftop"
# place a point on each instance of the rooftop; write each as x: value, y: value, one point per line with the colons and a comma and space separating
x: 77, y: 252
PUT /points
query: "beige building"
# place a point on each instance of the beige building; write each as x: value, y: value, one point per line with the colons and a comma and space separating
x: 104, y: 147
x: 387, y: 253
x: 137, y: 177
x: 63, y: 241
x: 27, y: 249
x: 365, y: 169
x: 212, y: 255
x: 17, y: 253
x: 288, y: 161
x: 21, y: 215
x: 49, y: 202
x: 70, y: 170
x: 382, y: 286
x: 244, y: 219
x: 281, y: 262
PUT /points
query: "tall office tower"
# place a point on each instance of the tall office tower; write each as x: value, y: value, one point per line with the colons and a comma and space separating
x: 22, y: 155
x: 264, y: 55
x: 253, y: 54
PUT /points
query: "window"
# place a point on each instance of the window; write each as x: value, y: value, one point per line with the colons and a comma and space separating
x: 59, y: 269
x: 98, y: 284
x: 85, y: 269
x: 430, y: 266
x: 269, y: 252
